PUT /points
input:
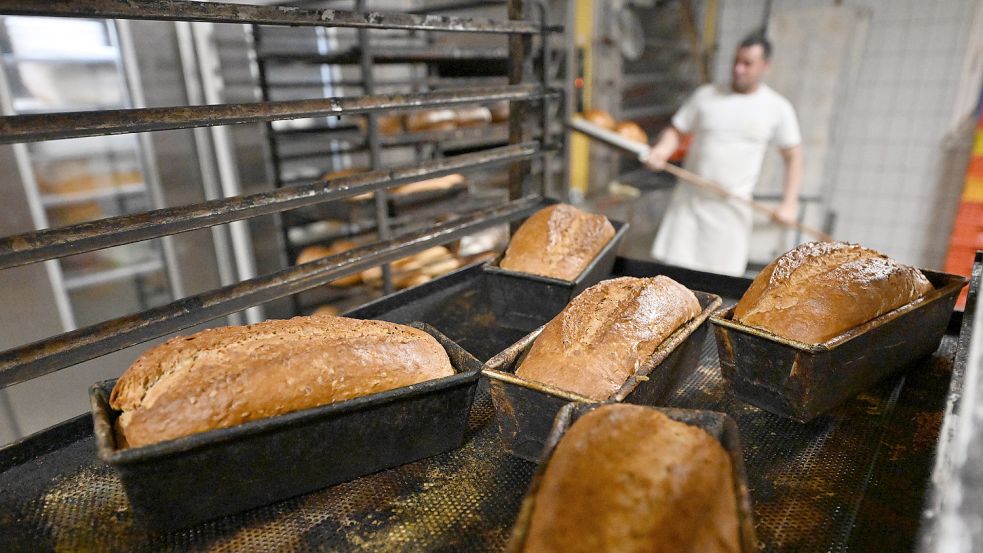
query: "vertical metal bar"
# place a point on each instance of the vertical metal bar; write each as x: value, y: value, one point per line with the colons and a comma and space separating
x: 375, y: 148
x: 127, y: 67
x: 203, y: 147
x: 22, y: 156
x: 519, y: 58
x: 242, y: 245
x: 272, y: 145
x: 546, y: 117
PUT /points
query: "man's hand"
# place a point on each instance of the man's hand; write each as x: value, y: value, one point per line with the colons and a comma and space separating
x: 657, y: 159
x: 664, y: 147
x: 787, y: 212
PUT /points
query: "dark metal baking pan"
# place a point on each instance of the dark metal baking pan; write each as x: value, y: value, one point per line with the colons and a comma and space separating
x: 467, y: 307
x: 553, y: 291
x: 182, y: 482
x: 717, y: 425
x: 802, y: 381
x: 525, y: 408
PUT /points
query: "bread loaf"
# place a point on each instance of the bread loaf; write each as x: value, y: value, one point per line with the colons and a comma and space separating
x: 226, y: 376
x: 820, y: 290
x: 600, y: 118
x: 313, y: 253
x: 475, y: 116
x: 628, y: 479
x: 559, y: 241
x: 500, y: 111
x: 431, y: 120
x: 439, y: 183
x: 631, y: 131
x: 606, y: 333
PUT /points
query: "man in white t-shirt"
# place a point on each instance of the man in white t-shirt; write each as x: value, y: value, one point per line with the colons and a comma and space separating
x: 732, y: 126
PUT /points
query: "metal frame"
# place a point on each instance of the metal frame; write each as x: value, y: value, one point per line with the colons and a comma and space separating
x: 64, y: 350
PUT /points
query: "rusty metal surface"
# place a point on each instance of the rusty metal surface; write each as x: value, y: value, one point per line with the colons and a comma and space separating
x: 36, y: 246
x: 182, y: 482
x: 801, y: 381
x: 413, y: 54
x: 526, y: 408
x: 49, y: 355
x: 718, y: 425
x: 51, y: 126
x: 220, y: 12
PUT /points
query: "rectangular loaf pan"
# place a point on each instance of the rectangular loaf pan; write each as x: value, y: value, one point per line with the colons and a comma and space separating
x: 182, y: 482
x: 802, y: 381
x: 718, y: 425
x: 551, y: 292
x: 524, y: 409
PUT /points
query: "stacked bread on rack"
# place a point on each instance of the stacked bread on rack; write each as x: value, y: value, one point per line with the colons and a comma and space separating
x: 442, y: 119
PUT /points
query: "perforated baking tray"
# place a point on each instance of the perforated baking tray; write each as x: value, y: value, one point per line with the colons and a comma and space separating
x: 852, y: 479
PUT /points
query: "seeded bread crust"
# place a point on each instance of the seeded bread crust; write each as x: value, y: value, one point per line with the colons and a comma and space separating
x: 226, y: 376
x: 559, y: 241
x: 605, y: 334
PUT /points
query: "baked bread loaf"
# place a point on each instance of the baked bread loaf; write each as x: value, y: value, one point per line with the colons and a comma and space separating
x: 226, y: 376
x: 628, y: 479
x: 606, y: 333
x: 445, y: 182
x: 431, y: 120
x: 313, y: 253
x: 559, y: 241
x: 632, y: 131
x: 821, y: 289
x: 600, y: 118
x: 474, y: 116
x: 500, y: 111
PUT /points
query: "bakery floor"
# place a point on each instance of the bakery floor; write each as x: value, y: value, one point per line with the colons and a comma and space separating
x: 853, y: 479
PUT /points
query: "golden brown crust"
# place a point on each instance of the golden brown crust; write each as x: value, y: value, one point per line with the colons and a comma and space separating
x: 225, y: 376
x: 819, y: 290
x: 559, y: 241
x: 627, y: 479
x: 632, y: 131
x: 600, y: 118
x: 606, y: 333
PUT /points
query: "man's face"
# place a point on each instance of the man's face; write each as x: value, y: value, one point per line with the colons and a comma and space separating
x: 750, y: 66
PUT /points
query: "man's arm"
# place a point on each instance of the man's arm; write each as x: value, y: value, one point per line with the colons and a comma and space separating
x: 664, y: 147
x: 788, y: 210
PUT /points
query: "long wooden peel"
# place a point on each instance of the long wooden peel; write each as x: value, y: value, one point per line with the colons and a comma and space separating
x: 642, y: 151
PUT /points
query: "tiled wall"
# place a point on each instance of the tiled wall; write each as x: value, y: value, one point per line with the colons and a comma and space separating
x: 890, y: 179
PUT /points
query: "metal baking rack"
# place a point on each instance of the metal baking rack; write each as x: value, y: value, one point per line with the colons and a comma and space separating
x: 289, y: 63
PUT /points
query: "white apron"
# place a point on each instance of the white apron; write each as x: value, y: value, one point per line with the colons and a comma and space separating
x: 705, y: 232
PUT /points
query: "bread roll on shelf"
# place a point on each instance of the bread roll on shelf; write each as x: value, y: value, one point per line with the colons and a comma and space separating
x: 431, y: 120
x: 313, y: 253
x: 600, y: 118
x: 474, y: 116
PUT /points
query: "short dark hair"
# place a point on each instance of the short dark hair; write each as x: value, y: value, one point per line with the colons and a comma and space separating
x: 757, y: 38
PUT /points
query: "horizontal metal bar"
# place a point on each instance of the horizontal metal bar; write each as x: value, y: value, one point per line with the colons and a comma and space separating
x: 429, y: 81
x: 37, y: 246
x: 55, y: 353
x: 404, y: 55
x: 221, y: 12
x: 28, y: 128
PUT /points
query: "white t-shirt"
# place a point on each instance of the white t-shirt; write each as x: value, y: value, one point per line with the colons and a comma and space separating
x: 731, y: 133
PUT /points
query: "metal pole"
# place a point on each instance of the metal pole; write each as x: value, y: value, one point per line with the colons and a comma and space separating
x: 372, y: 130
x: 519, y: 58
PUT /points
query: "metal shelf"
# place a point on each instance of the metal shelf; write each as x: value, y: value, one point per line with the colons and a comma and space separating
x: 410, y: 55
x: 99, y: 194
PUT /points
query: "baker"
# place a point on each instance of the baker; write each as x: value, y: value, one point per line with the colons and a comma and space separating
x: 732, y: 126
